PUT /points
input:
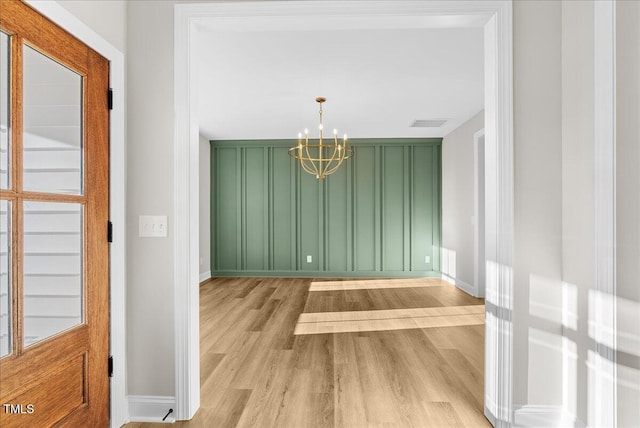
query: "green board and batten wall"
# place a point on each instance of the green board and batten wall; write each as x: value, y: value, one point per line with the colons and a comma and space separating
x: 378, y: 215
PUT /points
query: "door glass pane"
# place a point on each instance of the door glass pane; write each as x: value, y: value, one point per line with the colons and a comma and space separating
x: 52, y: 283
x: 5, y: 279
x: 4, y: 111
x: 52, y: 126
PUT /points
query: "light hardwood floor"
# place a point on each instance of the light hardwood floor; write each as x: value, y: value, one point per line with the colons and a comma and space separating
x: 377, y: 353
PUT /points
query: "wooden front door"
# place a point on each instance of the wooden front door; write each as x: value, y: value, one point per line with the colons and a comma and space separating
x: 54, y: 255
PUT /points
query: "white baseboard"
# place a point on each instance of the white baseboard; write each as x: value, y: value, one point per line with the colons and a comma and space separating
x: 545, y: 416
x: 469, y: 289
x: 205, y: 275
x: 151, y: 408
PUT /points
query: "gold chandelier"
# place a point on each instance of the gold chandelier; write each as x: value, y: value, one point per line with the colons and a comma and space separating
x: 321, y: 159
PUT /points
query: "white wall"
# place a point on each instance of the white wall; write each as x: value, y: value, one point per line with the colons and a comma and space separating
x: 106, y: 17
x: 205, y: 209
x: 150, y: 350
x: 628, y: 211
x: 144, y: 31
x: 457, y: 201
x: 537, y: 267
x: 150, y: 133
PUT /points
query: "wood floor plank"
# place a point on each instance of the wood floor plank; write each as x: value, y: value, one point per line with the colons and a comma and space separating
x: 348, y: 398
x: 466, y: 375
x: 228, y: 412
x: 427, y: 371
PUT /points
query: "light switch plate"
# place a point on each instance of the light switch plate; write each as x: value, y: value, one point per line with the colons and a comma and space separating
x: 153, y: 226
x: 309, y: 259
x: 427, y: 259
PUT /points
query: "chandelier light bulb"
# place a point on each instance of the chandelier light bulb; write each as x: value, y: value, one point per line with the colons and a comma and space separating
x: 335, y: 131
x: 306, y: 131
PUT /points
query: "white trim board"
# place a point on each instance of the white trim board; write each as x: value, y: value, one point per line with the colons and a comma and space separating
x: 117, y: 192
x: 479, y: 260
x: 469, y: 289
x: 544, y: 416
x: 497, y: 19
x: 602, y: 393
x: 205, y: 275
x: 499, y: 214
x: 151, y: 408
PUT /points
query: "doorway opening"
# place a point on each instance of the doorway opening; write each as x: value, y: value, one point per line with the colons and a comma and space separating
x: 496, y: 20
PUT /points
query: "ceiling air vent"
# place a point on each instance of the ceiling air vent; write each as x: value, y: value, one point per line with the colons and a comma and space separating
x: 428, y: 123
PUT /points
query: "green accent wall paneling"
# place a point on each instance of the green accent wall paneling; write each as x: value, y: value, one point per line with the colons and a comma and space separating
x: 282, y: 210
x: 366, y: 216
x: 309, y: 221
x: 393, y: 206
x: 337, y: 220
x: 227, y: 212
x: 378, y: 215
x: 255, y: 196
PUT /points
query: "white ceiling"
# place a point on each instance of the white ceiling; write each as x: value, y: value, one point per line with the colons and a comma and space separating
x: 378, y: 75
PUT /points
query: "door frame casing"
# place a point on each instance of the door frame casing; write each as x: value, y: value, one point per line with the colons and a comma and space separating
x: 602, y: 397
x: 498, y: 154
x: 56, y: 13
x: 479, y: 281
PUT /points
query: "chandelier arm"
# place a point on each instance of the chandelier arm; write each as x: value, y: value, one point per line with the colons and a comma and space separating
x: 303, y: 163
x: 308, y: 166
x: 333, y: 156
x: 325, y: 166
x: 340, y: 160
x: 335, y: 168
x: 294, y: 152
x: 311, y: 159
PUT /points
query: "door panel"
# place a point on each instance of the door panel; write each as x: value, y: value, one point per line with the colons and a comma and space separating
x: 67, y: 380
x: 54, y: 210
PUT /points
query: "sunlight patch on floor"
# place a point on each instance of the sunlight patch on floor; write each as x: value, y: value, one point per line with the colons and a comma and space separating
x: 390, y: 319
x: 359, y: 284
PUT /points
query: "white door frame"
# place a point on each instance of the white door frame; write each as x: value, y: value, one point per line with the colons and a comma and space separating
x: 603, y: 386
x: 497, y: 16
x: 62, y: 17
x: 479, y: 280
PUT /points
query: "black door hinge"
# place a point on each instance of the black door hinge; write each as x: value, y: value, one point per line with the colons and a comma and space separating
x: 109, y: 231
x: 110, y: 99
x: 110, y: 365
